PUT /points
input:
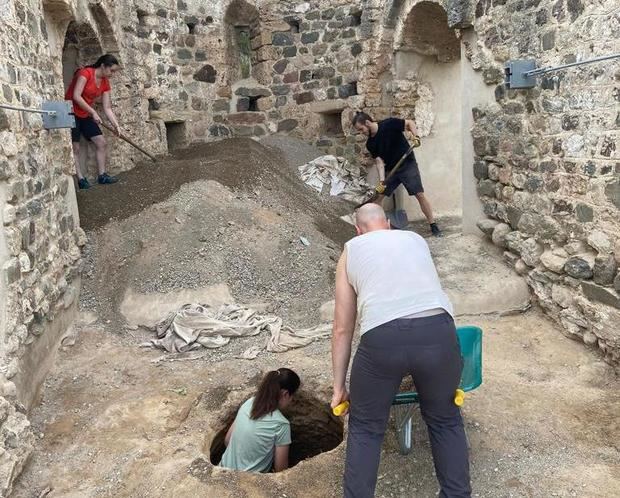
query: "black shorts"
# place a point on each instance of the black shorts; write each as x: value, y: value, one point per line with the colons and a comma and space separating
x: 86, y: 127
x: 408, y: 175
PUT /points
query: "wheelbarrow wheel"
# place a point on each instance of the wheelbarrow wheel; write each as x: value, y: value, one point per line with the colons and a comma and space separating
x: 404, y: 427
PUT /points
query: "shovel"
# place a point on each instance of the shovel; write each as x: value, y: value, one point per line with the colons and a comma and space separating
x: 130, y: 142
x: 398, y: 217
x: 376, y: 195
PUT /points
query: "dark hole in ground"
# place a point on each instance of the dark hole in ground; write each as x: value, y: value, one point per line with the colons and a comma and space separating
x: 175, y: 134
x: 314, y: 430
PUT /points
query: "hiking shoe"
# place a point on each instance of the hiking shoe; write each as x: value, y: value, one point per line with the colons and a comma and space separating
x: 106, y: 179
x: 435, y: 230
x: 83, y: 184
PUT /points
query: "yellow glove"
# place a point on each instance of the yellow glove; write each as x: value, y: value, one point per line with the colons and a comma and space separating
x: 380, y: 188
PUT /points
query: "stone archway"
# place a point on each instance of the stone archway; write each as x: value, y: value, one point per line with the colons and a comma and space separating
x: 427, y: 87
x: 241, y: 25
x: 81, y: 47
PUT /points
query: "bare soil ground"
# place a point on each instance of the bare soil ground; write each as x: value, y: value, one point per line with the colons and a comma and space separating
x: 222, y: 223
x: 116, y: 422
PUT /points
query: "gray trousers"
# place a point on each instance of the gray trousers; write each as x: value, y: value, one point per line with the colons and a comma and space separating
x: 427, y: 349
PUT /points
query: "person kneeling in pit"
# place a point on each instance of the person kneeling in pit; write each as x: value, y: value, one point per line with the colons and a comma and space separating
x: 259, y: 438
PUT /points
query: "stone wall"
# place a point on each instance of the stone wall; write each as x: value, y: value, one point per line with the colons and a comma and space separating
x: 39, y: 245
x: 548, y: 160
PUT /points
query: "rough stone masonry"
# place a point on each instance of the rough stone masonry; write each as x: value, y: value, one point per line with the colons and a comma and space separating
x: 546, y: 161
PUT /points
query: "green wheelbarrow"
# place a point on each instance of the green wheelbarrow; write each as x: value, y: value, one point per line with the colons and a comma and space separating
x: 470, y: 340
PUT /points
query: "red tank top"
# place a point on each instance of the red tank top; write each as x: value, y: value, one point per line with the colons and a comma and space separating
x: 91, y: 90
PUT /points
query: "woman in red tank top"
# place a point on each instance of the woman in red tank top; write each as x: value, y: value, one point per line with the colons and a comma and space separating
x: 90, y: 84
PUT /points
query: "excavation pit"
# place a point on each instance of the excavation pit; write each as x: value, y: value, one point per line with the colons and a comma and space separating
x: 314, y: 430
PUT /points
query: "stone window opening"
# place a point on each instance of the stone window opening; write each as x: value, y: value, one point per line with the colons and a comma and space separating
x: 175, y: 135
x: 244, y: 50
x: 253, y: 105
x: 241, y: 26
x: 294, y: 24
x: 353, y: 86
x: 191, y: 26
x: 331, y: 124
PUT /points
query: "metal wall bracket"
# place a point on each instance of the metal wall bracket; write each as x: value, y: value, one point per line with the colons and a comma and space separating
x: 516, y: 74
x: 61, y: 115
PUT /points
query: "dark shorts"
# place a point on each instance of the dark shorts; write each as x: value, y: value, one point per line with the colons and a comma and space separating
x: 85, y: 127
x: 409, y: 176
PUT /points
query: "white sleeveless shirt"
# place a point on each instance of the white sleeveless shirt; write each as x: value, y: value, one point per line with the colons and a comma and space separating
x: 393, y: 275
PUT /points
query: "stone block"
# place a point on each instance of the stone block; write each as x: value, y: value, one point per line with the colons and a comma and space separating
x: 584, y: 213
x: 561, y: 295
x: 307, y: 38
x: 12, y: 271
x: 253, y: 92
x: 604, y: 270
x: 612, y: 192
x: 304, y: 98
x: 486, y: 188
x: 292, y: 77
x: 280, y: 66
x: 600, y: 241
x: 487, y: 226
x: 281, y: 89
x: 184, y: 54
x: 553, y: 262
x: 221, y: 105
x: 578, y: 267
x: 289, y: 52
x: 243, y: 104
x: 601, y: 294
x: 498, y: 236
x: 282, y: 39
x: 481, y: 170
x: 246, y: 118
x: 531, y: 252
x: 287, y: 125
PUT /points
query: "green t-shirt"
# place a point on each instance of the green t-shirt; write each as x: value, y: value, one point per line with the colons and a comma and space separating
x: 252, y: 443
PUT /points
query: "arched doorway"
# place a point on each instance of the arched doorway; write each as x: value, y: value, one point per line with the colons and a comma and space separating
x: 427, y: 79
x: 241, y: 24
x: 81, y: 47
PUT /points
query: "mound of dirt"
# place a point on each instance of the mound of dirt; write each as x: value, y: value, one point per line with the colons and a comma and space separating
x: 231, y: 213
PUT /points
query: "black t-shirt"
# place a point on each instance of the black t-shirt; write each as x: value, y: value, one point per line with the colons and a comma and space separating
x: 389, y: 143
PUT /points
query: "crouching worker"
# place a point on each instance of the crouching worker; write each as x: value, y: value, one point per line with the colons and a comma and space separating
x: 259, y: 438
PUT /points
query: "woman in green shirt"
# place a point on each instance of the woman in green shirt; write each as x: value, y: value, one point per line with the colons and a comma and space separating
x: 259, y: 438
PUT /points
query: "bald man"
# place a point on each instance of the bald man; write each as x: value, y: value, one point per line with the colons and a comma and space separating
x: 406, y: 328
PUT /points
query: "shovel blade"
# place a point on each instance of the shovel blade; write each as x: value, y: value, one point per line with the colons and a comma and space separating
x: 398, y: 219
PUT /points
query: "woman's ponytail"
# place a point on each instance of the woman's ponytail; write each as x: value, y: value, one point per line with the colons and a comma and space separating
x: 107, y: 60
x: 268, y: 396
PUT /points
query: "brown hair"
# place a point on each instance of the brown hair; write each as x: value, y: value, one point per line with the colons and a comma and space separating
x: 361, y: 118
x: 268, y: 394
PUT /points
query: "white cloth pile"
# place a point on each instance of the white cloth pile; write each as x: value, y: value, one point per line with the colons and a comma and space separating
x: 343, y: 178
x: 194, y: 326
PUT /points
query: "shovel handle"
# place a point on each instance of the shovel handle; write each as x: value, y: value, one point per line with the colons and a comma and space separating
x: 375, y: 196
x: 129, y: 141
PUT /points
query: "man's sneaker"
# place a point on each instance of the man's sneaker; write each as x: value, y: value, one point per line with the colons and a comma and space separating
x: 435, y: 230
x: 83, y: 184
x: 106, y: 179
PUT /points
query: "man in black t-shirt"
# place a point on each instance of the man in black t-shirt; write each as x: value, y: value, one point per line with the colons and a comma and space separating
x: 387, y: 144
